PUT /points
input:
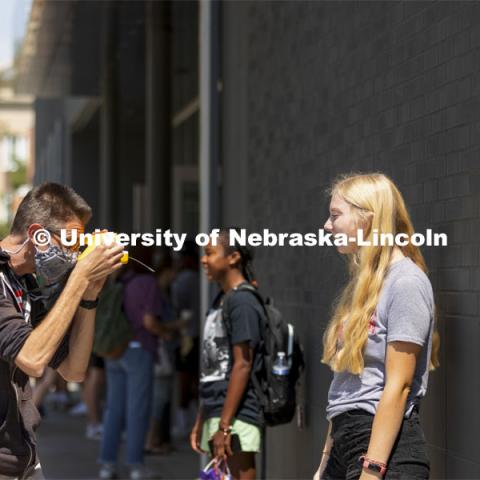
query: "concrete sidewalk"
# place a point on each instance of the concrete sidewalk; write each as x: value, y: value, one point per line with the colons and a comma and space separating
x: 66, y: 454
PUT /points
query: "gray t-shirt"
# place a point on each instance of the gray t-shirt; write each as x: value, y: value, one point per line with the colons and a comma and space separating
x: 405, y: 312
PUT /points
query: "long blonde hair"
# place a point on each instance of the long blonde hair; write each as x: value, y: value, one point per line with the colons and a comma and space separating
x: 379, y: 206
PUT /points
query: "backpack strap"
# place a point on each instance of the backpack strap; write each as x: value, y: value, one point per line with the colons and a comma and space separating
x: 247, y: 287
x: 217, y: 300
x: 242, y: 287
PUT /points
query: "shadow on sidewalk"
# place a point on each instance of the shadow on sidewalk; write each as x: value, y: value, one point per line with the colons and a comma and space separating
x: 66, y: 454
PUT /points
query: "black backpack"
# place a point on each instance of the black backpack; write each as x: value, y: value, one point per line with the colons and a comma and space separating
x: 277, y: 394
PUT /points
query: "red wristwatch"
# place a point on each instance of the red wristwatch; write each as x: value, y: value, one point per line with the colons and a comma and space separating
x: 372, y: 465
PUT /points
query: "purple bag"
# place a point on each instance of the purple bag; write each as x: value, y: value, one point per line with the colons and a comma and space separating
x: 216, y: 470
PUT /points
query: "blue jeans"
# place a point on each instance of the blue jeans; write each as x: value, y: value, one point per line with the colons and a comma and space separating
x: 129, y: 403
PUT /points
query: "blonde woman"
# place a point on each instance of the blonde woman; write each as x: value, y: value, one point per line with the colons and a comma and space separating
x: 381, y: 340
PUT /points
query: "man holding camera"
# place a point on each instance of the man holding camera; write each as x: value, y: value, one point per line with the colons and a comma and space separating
x: 32, y: 337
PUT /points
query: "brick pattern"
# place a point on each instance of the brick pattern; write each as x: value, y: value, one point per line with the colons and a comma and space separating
x: 388, y: 86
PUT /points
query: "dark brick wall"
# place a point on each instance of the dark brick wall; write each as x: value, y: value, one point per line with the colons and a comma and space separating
x: 387, y: 86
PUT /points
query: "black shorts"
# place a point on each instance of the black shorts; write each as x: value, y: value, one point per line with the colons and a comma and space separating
x: 351, y: 436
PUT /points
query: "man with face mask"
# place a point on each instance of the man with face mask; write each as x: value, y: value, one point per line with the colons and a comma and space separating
x: 32, y: 336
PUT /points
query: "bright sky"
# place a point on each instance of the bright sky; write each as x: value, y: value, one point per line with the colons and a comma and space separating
x: 13, y: 19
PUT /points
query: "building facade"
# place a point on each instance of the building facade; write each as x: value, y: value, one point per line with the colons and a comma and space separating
x: 192, y: 114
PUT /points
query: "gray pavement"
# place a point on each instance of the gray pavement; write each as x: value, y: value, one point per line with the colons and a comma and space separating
x: 66, y: 454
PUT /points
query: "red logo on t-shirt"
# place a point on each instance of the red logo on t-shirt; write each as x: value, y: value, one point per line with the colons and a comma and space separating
x: 372, y: 324
x: 19, y: 298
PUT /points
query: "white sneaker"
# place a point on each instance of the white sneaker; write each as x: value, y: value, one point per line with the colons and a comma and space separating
x: 108, y: 471
x: 141, y: 473
x: 94, y: 432
x: 78, y: 410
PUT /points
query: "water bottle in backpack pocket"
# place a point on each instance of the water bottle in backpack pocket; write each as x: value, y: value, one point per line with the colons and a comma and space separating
x: 280, y: 366
x: 283, y: 363
x: 279, y: 382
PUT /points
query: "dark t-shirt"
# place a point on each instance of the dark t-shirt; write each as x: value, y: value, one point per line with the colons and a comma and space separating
x: 245, y: 313
x: 19, y: 315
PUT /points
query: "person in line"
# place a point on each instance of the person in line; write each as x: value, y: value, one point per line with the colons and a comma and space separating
x: 130, y: 376
x: 186, y: 303
x: 229, y: 407
x: 32, y: 336
x: 381, y: 340
x: 159, y: 439
x: 93, y: 397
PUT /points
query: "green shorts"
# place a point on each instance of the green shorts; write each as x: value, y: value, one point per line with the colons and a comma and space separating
x: 249, y: 435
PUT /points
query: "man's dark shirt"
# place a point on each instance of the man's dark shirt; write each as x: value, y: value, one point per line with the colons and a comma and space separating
x: 20, y: 313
